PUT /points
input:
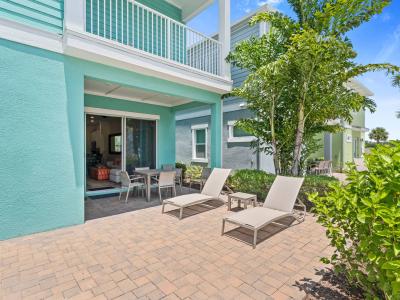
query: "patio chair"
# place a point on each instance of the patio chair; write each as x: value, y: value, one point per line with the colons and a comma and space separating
x: 179, y: 178
x: 205, y: 173
x: 130, y: 183
x: 279, y: 204
x: 168, y: 167
x: 319, y: 168
x: 166, y: 180
x: 140, y: 176
x: 212, y: 190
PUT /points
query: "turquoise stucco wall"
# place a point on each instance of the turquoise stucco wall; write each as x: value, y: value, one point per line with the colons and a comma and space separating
x: 165, y: 126
x: 42, y: 133
x: 41, y: 178
x: 43, y: 14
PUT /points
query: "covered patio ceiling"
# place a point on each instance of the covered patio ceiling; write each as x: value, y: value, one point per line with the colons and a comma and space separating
x: 190, y: 8
x: 112, y: 90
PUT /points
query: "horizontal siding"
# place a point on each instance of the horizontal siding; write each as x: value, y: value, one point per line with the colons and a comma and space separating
x: 43, y: 14
x: 240, y: 34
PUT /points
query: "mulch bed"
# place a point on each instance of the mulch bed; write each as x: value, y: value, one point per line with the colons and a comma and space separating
x: 331, y: 286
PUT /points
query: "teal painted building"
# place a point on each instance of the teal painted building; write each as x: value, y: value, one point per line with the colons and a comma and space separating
x: 58, y: 73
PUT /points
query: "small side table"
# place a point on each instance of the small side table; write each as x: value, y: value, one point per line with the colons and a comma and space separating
x: 246, y: 198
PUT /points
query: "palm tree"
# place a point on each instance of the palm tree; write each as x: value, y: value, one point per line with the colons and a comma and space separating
x: 379, y: 134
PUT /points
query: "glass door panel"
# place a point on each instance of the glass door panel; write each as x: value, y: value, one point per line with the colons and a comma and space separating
x: 140, y: 144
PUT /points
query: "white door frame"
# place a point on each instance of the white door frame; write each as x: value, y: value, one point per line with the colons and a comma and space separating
x: 123, y: 115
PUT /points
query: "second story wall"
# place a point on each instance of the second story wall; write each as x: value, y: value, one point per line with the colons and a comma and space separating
x: 240, y: 33
x: 43, y: 14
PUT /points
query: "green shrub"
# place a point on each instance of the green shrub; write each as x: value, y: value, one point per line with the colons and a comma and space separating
x: 362, y: 220
x: 193, y: 171
x: 259, y: 182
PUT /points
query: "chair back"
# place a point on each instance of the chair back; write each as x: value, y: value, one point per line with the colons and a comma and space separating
x: 178, y: 172
x: 167, y: 178
x: 205, y: 173
x: 321, y: 164
x: 168, y: 167
x: 283, y: 193
x: 125, y: 180
x: 215, y: 182
x: 142, y: 169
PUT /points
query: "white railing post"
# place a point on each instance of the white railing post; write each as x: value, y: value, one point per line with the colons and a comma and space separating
x: 168, y: 39
x: 225, y: 36
x: 74, y: 15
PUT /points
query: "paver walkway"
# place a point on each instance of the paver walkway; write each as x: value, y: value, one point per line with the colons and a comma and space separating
x: 147, y: 255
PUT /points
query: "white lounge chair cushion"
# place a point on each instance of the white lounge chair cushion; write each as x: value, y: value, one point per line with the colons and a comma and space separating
x: 187, y: 200
x: 256, y: 217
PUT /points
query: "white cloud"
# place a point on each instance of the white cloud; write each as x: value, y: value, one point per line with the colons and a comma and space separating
x: 269, y: 2
x: 391, y: 46
x: 248, y: 5
x: 386, y: 17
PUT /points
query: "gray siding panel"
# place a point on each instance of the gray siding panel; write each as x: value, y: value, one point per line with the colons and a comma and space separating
x: 237, y: 155
x: 242, y: 33
x: 184, y: 138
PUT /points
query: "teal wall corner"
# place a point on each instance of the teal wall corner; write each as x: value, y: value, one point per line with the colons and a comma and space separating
x: 42, y: 133
x: 216, y: 134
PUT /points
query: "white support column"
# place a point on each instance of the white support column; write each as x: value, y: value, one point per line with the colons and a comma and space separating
x: 225, y: 35
x: 74, y: 15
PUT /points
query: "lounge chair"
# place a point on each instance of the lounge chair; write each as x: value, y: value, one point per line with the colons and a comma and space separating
x: 360, y: 164
x: 279, y: 204
x: 212, y: 190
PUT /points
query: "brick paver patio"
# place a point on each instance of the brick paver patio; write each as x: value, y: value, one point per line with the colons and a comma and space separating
x: 146, y: 255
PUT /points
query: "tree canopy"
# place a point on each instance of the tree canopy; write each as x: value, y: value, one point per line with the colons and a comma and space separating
x: 298, y: 76
x: 379, y: 134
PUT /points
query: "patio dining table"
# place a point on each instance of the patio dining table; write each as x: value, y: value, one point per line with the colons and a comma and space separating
x: 148, y: 174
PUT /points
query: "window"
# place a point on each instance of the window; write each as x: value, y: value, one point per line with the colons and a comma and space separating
x: 199, y: 143
x: 114, y: 143
x: 238, y: 135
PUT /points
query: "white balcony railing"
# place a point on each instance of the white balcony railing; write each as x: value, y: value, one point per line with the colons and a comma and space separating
x: 138, y: 26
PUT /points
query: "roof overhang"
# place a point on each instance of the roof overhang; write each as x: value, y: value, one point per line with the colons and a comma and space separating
x: 357, y: 86
x: 191, y: 8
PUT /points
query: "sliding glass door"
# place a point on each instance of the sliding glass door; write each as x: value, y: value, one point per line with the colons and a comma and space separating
x: 140, y: 144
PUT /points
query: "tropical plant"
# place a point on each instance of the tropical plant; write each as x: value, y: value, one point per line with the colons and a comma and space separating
x: 259, y: 182
x: 193, y: 171
x: 379, y: 134
x: 298, y: 73
x: 362, y: 220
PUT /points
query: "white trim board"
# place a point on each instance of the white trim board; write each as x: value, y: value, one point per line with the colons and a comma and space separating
x: 120, y: 113
x: 88, y: 92
x: 94, y: 48
x: 31, y: 36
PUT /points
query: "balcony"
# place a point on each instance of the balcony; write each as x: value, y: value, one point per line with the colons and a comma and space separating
x: 128, y: 34
x: 135, y: 25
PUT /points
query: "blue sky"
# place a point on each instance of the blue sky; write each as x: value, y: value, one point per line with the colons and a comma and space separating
x: 375, y: 42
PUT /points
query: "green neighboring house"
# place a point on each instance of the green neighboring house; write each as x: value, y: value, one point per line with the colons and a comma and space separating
x: 341, y: 148
x: 91, y: 87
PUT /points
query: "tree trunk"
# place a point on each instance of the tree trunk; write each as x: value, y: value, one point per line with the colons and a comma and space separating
x: 298, y: 143
x: 276, y: 159
x: 275, y: 154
